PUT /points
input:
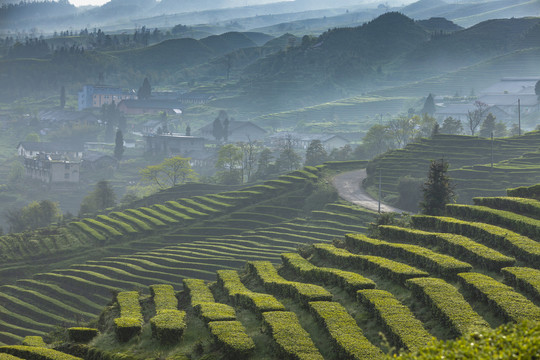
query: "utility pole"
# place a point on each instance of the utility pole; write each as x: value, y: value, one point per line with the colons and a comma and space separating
x: 519, y: 117
x: 492, y: 150
x: 380, y: 182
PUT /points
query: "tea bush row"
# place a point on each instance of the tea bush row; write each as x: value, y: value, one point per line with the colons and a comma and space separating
x: 130, y: 321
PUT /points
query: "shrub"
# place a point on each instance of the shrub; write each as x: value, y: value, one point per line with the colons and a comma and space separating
x: 404, y: 330
x: 82, y: 334
x: 293, y: 342
x: 198, y: 291
x: 531, y: 192
x: 36, y: 353
x: 168, y: 325
x: 347, y: 338
x: 525, y: 278
x: 130, y: 321
x: 231, y: 335
x: 528, y: 207
x: 103, y: 228
x: 34, y: 341
x: 448, y: 305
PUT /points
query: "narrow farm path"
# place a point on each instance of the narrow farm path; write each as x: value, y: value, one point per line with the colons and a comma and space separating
x: 349, y: 187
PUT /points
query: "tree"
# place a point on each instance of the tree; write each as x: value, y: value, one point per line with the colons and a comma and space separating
x: 537, y: 88
x: 172, y: 171
x: 264, y: 164
x: 145, y: 91
x: 316, y: 153
x: 488, y: 126
x: 476, y: 116
x: 377, y: 140
x: 288, y: 159
x: 230, y: 161
x: 429, y: 105
x: 33, y: 216
x: 62, y: 97
x: 402, y: 129
x: 119, y: 145
x: 217, y: 129
x: 451, y: 126
x: 250, y: 150
x: 188, y: 130
x: 100, y: 198
x: 437, y: 190
x: 500, y: 130
x: 34, y: 137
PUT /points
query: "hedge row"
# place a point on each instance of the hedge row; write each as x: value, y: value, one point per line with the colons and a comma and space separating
x: 347, y: 338
x: 157, y: 215
x: 122, y: 226
x: 347, y: 280
x: 187, y: 206
x: 403, y: 329
x: 530, y: 192
x: 34, y: 341
x: 230, y: 282
x: 148, y: 219
x: 170, y: 212
x: 268, y: 275
x: 82, y: 334
x: 87, y: 230
x: 293, y: 342
x: 36, y: 353
x: 525, y: 278
x: 528, y: 207
x: 510, y: 304
x: 141, y: 225
x: 448, y: 305
x: 8, y: 357
x: 231, y: 335
x: 457, y: 245
x: 518, y: 245
x: 204, y: 304
x: 441, y: 264
x: 515, y: 222
x: 130, y: 321
x: 380, y: 265
x: 103, y: 228
x: 169, y: 323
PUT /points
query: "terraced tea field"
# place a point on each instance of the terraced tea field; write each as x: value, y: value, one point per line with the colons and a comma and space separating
x: 516, y: 163
x: 474, y: 269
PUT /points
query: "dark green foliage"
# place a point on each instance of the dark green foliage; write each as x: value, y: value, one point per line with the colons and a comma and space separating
x: 100, y: 198
x: 488, y: 126
x: 316, y: 153
x: 438, y: 190
x: 537, y: 88
x: 119, y: 145
x: 429, y: 106
x: 145, y: 91
x: 33, y: 216
x: 82, y: 334
x: 410, y: 193
x: 451, y: 126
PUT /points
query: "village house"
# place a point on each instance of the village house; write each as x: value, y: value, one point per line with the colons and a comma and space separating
x: 150, y: 106
x: 60, y: 118
x: 302, y: 141
x: 95, y: 96
x: 239, y: 131
x: 30, y: 149
x: 52, y: 169
x: 173, y: 144
x: 96, y: 161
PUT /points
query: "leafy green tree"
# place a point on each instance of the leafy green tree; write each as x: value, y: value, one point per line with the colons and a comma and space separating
x: 429, y: 105
x: 500, y: 130
x: 250, y: 151
x: 16, y: 173
x: 316, y: 153
x: 230, y: 161
x: 341, y: 154
x: 34, y: 137
x: 437, y: 190
x: 288, y: 159
x: 476, y: 116
x: 217, y: 129
x: 119, y: 144
x: 377, y: 140
x: 172, y: 171
x: 488, y: 126
x: 145, y: 91
x: 100, y: 198
x: 33, y: 216
x: 451, y: 126
x: 402, y: 129
x: 264, y: 164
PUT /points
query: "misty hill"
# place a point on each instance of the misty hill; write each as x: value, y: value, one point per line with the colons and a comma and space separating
x: 439, y: 24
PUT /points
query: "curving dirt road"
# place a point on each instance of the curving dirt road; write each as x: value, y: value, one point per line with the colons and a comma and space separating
x: 349, y: 188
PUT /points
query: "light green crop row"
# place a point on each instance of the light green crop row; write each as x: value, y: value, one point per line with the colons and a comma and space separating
x: 36, y: 353
x: 448, y: 305
x: 198, y: 291
x: 442, y: 264
x: 349, y: 281
x: 141, y: 216
x: 380, y: 265
x: 164, y: 297
x: 87, y: 230
x: 204, y: 304
x: 268, y: 275
x: 4, y: 356
x: 141, y: 225
x: 530, y: 192
x: 293, y: 342
x: 515, y: 222
x: 157, y: 215
x: 399, y: 323
x: 231, y: 335
x: 528, y: 207
x: 525, y: 278
x: 130, y: 321
x: 519, y: 245
x: 162, y: 209
x: 104, y: 228
x: 34, y: 341
x: 188, y: 207
x: 168, y: 325
x: 125, y: 228
x: 230, y: 282
x: 457, y: 245
x: 348, y: 339
x: 512, y: 305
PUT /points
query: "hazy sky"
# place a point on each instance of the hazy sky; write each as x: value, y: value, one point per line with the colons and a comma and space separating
x: 87, y: 2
